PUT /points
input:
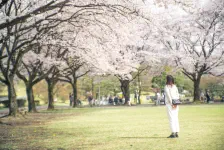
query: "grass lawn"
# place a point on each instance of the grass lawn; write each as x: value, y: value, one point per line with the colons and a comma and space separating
x: 114, y: 128
x: 1, y: 106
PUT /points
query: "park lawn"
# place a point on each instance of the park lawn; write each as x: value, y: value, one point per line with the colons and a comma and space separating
x: 1, y: 106
x: 114, y: 128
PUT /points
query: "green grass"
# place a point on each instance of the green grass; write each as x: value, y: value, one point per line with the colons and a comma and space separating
x: 118, y: 128
x: 1, y: 106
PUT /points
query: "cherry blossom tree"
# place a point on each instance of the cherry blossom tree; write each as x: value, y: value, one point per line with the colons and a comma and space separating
x: 23, y: 22
x: 145, y: 59
x: 51, y: 80
x: 93, y: 43
x: 3, y: 2
x: 74, y: 71
x: 134, y: 47
x: 16, y: 38
x: 53, y: 70
x: 196, y: 40
x: 77, y: 61
x: 33, y: 63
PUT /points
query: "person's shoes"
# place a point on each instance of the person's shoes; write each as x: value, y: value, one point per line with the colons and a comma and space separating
x: 176, y: 134
x: 172, y: 136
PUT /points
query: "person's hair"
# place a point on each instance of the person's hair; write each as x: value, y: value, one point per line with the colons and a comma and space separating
x: 169, y: 80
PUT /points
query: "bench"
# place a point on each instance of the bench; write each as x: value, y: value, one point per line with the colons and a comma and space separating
x: 4, y: 100
x: 20, y: 101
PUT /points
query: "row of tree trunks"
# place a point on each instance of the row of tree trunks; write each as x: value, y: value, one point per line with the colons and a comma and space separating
x: 13, y: 108
x: 126, y: 92
x: 51, y: 84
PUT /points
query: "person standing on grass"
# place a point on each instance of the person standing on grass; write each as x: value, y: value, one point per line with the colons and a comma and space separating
x: 171, y: 92
x: 90, y: 100
x: 202, y: 95
x: 158, y: 97
x: 115, y: 100
x: 207, y: 96
x: 70, y: 98
x: 110, y: 100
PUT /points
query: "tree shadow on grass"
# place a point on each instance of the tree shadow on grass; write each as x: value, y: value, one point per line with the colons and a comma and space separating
x: 152, y: 137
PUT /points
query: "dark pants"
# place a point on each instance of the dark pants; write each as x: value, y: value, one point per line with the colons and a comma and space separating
x: 208, y: 99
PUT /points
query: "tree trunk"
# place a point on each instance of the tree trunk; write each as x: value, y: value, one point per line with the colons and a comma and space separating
x: 197, y: 81
x: 140, y: 89
x: 74, y: 87
x: 92, y: 83
x: 125, y: 90
x: 51, y: 84
x: 139, y: 95
x: 30, y: 98
x: 197, y: 89
x: 13, y: 107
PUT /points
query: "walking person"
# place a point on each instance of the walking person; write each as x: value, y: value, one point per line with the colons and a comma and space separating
x: 120, y: 100
x: 158, y: 97
x: 110, y: 100
x: 90, y: 100
x: 202, y: 95
x: 171, y: 92
x: 207, y: 95
x: 115, y: 100
x: 70, y: 98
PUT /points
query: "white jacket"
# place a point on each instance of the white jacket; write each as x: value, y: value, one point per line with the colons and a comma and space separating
x: 171, y: 92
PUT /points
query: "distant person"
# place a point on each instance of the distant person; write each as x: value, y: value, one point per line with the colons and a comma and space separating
x: 148, y: 97
x: 70, y: 98
x: 202, y: 95
x: 129, y: 102
x: 94, y: 101
x: 90, y: 100
x: 120, y: 101
x: 136, y: 95
x: 110, y: 100
x: 207, y: 96
x: 115, y: 100
x: 79, y: 103
x: 163, y: 97
x: 171, y: 92
x: 103, y: 101
x: 158, y: 96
